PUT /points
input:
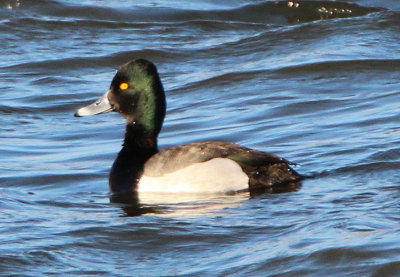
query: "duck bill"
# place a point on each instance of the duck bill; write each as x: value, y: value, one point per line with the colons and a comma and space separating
x: 100, y: 106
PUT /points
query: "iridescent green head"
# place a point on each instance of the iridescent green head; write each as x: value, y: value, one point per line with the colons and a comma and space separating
x: 137, y: 94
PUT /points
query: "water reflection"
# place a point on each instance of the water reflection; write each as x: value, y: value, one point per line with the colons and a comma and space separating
x: 188, y: 204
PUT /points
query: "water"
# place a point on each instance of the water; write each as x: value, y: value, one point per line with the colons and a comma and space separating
x: 321, y: 93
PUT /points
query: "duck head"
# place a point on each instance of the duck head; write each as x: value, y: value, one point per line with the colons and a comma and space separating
x: 136, y: 92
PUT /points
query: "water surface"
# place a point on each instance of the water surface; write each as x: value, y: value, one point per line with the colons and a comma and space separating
x: 319, y: 89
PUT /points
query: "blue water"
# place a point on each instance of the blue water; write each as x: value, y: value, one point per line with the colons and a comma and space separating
x: 321, y: 92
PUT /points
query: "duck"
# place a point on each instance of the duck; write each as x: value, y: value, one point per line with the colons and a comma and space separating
x: 136, y: 92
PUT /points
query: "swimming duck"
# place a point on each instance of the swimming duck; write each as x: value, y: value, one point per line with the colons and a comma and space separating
x: 136, y: 92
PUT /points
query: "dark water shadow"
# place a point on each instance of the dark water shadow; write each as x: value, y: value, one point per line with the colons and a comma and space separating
x: 130, y: 205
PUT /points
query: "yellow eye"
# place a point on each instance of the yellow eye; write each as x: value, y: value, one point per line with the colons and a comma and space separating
x: 124, y: 86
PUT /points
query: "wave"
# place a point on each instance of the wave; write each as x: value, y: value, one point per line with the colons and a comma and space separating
x: 281, y: 12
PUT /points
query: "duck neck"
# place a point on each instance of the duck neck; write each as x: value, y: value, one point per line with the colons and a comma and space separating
x: 127, y: 169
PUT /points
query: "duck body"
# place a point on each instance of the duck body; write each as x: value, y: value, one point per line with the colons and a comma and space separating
x: 137, y: 94
x: 215, y: 166
x: 201, y: 167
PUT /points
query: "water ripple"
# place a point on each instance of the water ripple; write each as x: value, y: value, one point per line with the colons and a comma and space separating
x: 313, y: 81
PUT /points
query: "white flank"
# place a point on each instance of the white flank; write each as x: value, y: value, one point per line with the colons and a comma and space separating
x: 214, y: 176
